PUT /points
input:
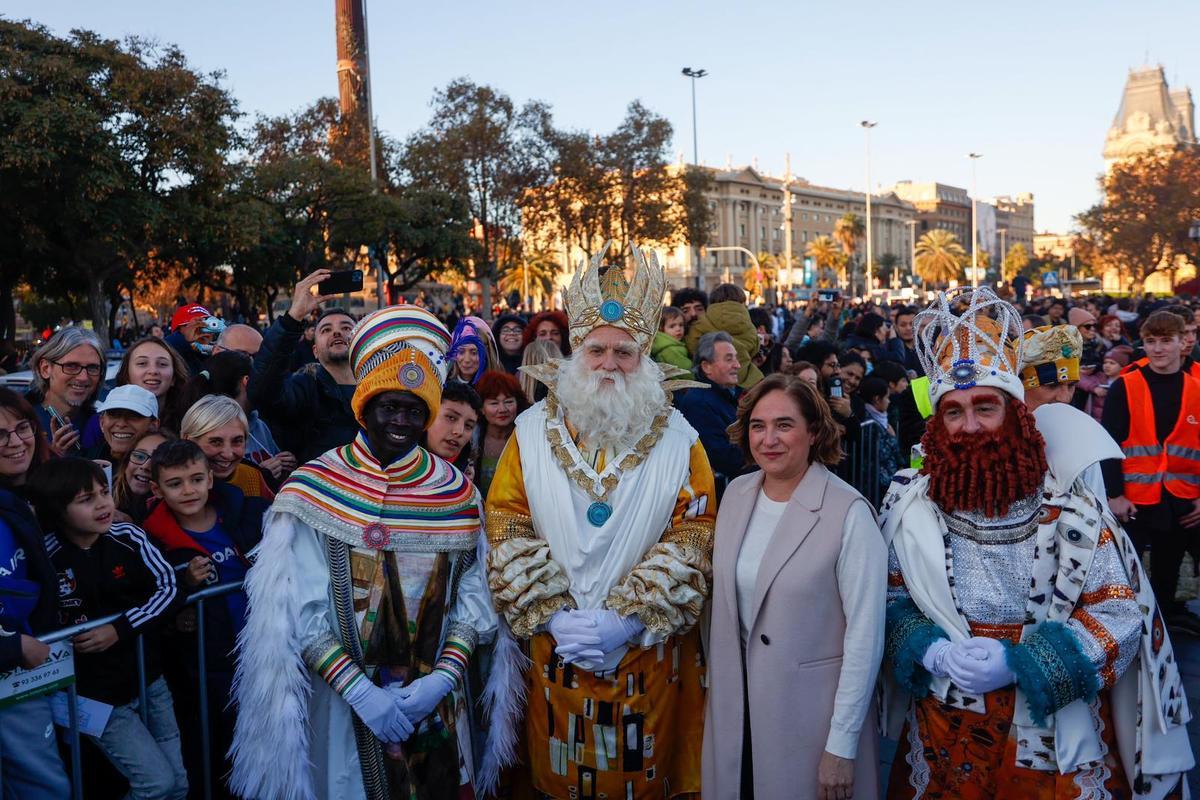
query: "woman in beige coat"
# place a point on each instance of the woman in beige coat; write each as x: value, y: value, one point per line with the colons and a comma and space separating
x: 797, y: 613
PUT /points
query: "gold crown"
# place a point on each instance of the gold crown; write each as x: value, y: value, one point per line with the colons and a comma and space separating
x: 600, y: 295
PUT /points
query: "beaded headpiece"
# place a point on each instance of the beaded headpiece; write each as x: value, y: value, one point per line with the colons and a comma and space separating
x: 968, y: 338
x: 600, y: 294
x: 1051, y: 355
x: 399, y: 349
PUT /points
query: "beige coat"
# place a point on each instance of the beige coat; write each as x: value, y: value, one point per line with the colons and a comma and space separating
x: 794, y: 653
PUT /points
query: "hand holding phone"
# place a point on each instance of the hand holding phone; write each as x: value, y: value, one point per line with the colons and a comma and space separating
x: 64, y: 437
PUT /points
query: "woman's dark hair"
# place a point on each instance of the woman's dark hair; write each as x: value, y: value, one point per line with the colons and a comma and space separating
x: 872, y: 388
x: 18, y: 406
x: 222, y: 374
x: 175, y: 453
x: 172, y: 405
x: 868, y: 325
x: 761, y: 318
x: 813, y: 321
x: 827, y: 434
x: 815, y: 352
x: 53, y: 486
x: 889, y: 370
x: 851, y: 357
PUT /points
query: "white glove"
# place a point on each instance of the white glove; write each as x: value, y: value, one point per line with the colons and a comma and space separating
x: 978, y: 665
x: 613, y: 630
x: 575, y: 637
x: 419, y: 698
x: 934, y: 659
x: 378, y: 710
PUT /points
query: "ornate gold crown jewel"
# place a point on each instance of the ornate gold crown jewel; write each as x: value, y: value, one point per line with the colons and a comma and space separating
x: 980, y: 346
x: 600, y: 295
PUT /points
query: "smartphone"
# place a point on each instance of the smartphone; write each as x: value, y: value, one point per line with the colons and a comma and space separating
x: 342, y: 281
x: 828, y: 296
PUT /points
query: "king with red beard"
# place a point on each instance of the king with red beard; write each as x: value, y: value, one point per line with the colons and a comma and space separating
x: 1026, y: 656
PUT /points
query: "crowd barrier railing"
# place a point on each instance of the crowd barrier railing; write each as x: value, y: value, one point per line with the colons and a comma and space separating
x: 196, y: 598
x: 861, y: 466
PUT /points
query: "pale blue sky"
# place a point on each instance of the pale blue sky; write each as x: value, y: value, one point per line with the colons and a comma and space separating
x: 1031, y: 85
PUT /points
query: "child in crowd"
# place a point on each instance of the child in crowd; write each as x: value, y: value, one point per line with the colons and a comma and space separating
x: 131, y: 477
x: 107, y: 568
x: 210, y: 527
x: 668, y: 346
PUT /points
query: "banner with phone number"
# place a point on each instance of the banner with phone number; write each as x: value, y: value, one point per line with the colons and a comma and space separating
x: 58, y: 672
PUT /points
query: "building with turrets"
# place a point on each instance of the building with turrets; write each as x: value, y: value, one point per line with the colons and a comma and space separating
x: 1151, y: 117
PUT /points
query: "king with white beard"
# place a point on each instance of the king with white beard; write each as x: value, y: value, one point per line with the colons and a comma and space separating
x: 600, y: 523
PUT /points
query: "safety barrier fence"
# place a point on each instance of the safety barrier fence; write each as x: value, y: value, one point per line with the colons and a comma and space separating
x: 197, y: 599
x: 861, y: 465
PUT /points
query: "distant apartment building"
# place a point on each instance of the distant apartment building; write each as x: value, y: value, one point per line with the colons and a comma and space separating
x: 938, y: 206
x: 1014, y: 216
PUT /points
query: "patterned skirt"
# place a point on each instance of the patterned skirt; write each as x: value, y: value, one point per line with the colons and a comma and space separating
x: 631, y: 734
x: 946, y: 752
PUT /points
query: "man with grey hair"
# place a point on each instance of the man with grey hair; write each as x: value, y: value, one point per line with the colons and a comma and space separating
x: 67, y: 371
x: 714, y: 408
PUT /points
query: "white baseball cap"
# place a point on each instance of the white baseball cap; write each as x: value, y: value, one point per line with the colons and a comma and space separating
x: 131, y: 398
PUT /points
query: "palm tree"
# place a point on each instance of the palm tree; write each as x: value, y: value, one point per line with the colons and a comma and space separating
x: 825, y: 254
x: 542, y: 270
x: 940, y: 257
x: 846, y: 232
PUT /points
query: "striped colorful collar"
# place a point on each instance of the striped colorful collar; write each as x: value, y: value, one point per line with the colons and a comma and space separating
x: 418, y: 503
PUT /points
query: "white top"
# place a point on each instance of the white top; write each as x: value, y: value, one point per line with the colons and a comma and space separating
x: 861, y: 571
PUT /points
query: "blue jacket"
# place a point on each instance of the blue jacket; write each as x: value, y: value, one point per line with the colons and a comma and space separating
x: 307, y: 410
x: 710, y: 411
x: 28, y: 584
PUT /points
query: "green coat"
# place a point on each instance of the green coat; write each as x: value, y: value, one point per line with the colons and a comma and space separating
x: 733, y: 318
x: 669, y: 350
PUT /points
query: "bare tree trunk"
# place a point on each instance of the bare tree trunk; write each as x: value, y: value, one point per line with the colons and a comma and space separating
x: 98, y: 312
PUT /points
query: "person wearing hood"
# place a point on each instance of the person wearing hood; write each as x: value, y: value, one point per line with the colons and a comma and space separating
x: 727, y: 312
x: 668, y: 346
x: 509, y: 333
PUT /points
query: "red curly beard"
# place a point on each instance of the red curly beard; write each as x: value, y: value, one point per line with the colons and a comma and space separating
x: 986, y: 471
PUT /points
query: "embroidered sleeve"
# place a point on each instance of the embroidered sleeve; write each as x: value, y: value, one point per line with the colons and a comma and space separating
x: 667, y: 589
x: 1059, y: 663
x: 329, y: 659
x: 527, y: 585
x: 909, y: 634
x: 456, y: 651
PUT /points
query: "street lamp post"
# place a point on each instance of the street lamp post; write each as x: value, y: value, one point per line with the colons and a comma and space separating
x: 784, y: 279
x: 1003, y: 248
x: 974, y: 223
x: 694, y: 74
x: 867, y: 125
x: 912, y: 250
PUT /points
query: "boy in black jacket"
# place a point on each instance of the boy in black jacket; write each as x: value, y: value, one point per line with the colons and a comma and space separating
x: 103, y: 569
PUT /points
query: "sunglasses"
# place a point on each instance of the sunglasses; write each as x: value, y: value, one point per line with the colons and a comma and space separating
x: 1087, y: 326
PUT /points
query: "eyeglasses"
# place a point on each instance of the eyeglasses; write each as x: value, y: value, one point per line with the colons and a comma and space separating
x: 74, y: 368
x: 138, y: 457
x: 1087, y: 326
x: 511, y: 330
x: 23, y: 430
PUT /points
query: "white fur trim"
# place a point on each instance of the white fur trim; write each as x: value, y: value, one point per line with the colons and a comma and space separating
x: 271, y: 685
x: 503, y: 703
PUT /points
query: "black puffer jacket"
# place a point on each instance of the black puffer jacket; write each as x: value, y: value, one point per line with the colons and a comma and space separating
x: 307, y: 410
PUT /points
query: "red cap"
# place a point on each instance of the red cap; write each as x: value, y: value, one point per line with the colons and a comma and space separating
x: 185, y: 314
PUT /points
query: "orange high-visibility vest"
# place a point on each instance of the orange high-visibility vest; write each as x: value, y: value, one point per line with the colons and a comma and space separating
x: 1193, y: 367
x: 1149, y: 465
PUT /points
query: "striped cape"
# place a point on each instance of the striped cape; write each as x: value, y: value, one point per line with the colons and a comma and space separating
x: 419, y: 503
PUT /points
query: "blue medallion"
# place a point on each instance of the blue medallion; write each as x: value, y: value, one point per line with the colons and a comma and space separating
x: 598, y: 513
x: 611, y: 310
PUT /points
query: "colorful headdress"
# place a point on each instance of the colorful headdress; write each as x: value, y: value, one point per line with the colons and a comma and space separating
x: 969, y: 338
x: 1051, y: 355
x: 600, y: 295
x: 399, y: 349
x: 465, y: 333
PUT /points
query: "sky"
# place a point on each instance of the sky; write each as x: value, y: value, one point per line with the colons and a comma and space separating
x: 1033, y: 86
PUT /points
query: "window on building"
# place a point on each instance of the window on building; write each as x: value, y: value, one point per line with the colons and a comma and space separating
x: 742, y: 229
x: 762, y: 232
x: 776, y: 236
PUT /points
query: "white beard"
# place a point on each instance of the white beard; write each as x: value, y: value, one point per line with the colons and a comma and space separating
x: 610, y: 414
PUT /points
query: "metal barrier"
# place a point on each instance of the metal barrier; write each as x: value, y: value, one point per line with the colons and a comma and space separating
x: 860, y: 466
x: 197, y: 599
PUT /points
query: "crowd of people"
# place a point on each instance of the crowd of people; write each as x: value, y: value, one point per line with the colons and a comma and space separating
x: 474, y: 558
